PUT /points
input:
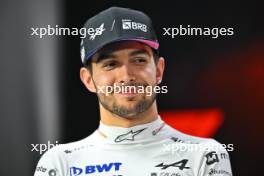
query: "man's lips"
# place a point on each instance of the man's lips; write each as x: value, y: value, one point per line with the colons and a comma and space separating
x: 132, y: 93
x: 129, y: 93
x: 126, y: 90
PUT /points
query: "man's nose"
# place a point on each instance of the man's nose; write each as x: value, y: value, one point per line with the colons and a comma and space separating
x: 126, y: 75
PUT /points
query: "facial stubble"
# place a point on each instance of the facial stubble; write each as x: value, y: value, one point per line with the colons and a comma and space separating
x: 119, y: 110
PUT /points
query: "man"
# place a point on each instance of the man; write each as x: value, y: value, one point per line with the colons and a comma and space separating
x: 121, y: 52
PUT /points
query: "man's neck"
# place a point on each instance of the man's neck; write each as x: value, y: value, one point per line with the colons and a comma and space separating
x: 111, y: 119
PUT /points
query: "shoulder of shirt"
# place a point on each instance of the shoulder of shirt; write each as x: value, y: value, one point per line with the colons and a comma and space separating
x: 67, y: 148
x: 178, y: 136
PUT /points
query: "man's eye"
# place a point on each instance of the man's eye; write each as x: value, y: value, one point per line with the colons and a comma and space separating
x: 109, y: 65
x: 140, y: 60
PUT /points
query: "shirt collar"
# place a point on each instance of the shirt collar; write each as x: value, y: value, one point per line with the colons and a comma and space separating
x: 137, y: 134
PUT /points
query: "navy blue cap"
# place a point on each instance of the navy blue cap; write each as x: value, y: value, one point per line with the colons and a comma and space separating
x: 116, y: 24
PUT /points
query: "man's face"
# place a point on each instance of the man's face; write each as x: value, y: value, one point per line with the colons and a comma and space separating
x: 125, y: 65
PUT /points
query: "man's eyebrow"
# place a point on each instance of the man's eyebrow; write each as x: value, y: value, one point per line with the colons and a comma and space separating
x: 108, y: 54
x: 104, y: 55
x: 136, y: 52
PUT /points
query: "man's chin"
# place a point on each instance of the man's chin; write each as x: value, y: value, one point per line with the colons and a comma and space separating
x: 131, y: 115
x: 127, y: 107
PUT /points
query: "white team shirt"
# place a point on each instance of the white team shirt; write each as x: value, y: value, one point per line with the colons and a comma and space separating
x: 152, y: 149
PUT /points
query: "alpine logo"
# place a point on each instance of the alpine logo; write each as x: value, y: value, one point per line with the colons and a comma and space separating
x: 129, y: 24
x: 98, y: 31
x: 90, y: 169
x: 130, y: 136
x: 180, y: 164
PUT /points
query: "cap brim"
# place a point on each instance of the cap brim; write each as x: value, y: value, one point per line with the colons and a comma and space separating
x: 152, y: 44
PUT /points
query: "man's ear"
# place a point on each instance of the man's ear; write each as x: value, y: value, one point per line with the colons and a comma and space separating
x: 86, y: 78
x: 160, y: 69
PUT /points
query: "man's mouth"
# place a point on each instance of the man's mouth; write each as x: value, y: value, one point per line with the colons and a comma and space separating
x: 128, y: 91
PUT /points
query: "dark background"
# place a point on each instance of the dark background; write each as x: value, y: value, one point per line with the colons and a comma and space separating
x: 43, y: 99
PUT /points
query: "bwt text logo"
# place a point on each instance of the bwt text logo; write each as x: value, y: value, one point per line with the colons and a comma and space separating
x: 128, y: 24
x: 41, y: 148
x: 74, y: 171
x: 97, y: 31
